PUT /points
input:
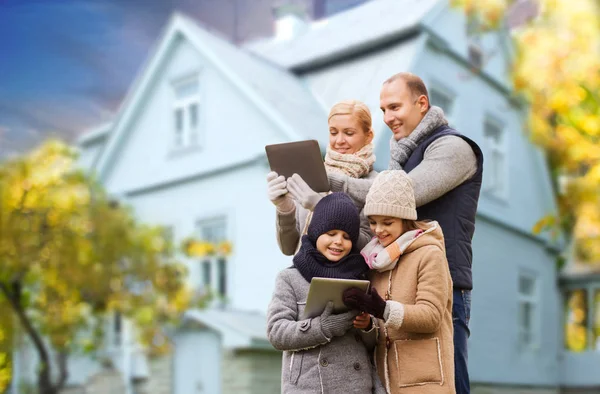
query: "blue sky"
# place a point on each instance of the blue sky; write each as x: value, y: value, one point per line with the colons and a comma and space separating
x: 65, y: 65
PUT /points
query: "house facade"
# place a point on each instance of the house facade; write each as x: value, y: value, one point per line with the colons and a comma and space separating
x: 186, y: 151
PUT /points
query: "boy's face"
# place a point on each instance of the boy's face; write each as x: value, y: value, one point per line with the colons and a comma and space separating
x: 334, y: 245
x: 387, y: 229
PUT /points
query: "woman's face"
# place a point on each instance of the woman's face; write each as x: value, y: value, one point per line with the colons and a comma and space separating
x: 346, y: 135
x: 334, y: 245
x: 386, y: 229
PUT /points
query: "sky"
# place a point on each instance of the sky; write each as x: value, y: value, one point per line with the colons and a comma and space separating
x: 65, y: 65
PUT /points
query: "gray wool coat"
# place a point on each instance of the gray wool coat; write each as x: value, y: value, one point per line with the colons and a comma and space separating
x: 313, y: 363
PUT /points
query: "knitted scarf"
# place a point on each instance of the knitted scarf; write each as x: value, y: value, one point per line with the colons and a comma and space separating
x: 401, y: 150
x: 385, y: 259
x: 311, y: 263
x: 355, y: 165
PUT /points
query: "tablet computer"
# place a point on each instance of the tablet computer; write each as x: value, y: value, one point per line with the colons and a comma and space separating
x: 323, y: 290
x: 302, y: 158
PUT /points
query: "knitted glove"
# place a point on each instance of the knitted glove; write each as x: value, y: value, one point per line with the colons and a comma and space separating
x: 278, y: 193
x: 302, y: 193
x: 337, y: 181
x: 371, y: 302
x: 336, y: 325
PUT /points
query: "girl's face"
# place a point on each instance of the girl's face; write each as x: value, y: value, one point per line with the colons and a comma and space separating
x: 386, y: 229
x: 346, y: 135
x: 334, y: 245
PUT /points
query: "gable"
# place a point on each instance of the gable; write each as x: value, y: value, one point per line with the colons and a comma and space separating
x: 268, y: 92
x: 230, y: 129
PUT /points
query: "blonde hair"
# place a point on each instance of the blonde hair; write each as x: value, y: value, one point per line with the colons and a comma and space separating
x: 356, y: 108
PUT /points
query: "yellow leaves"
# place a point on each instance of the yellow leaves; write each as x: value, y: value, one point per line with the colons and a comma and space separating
x: 557, y: 69
x: 544, y: 223
x: 80, y: 255
x: 198, y: 248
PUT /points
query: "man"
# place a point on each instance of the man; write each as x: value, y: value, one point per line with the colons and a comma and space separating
x: 446, y: 169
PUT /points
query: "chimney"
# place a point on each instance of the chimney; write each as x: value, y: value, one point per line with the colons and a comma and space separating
x: 291, y: 19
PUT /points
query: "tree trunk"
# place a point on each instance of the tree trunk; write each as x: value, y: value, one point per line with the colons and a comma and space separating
x: 45, y: 385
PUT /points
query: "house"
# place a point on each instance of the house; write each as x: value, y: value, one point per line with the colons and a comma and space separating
x: 186, y: 150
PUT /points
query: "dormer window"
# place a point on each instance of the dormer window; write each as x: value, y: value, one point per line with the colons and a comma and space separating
x: 186, y: 112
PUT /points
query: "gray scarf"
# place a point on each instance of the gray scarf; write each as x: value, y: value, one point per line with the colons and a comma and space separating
x: 401, y: 150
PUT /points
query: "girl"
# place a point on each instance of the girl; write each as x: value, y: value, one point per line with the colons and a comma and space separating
x: 324, y: 354
x: 350, y: 152
x: 414, y: 352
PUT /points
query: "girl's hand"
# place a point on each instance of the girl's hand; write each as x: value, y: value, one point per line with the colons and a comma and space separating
x: 362, y: 321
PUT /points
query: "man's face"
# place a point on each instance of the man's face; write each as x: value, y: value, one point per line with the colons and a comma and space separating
x: 402, y: 111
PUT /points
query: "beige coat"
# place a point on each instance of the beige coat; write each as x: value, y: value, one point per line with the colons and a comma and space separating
x: 419, y: 358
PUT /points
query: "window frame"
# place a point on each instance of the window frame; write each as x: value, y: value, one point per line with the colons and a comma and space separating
x: 491, y: 149
x: 442, y: 90
x: 218, y: 264
x: 190, y: 136
x: 534, y: 300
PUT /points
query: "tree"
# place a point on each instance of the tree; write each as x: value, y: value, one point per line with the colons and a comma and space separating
x: 69, y: 256
x: 557, y: 71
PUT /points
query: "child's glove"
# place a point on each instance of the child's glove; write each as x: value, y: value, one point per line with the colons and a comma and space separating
x: 371, y: 302
x: 302, y: 193
x: 336, y: 325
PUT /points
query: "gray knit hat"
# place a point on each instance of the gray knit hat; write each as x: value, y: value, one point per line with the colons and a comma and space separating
x: 391, y: 194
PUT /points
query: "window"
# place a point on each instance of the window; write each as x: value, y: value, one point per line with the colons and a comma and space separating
x: 214, y: 266
x: 528, y: 309
x: 495, y: 173
x: 186, y: 112
x: 443, y: 99
x: 576, y: 320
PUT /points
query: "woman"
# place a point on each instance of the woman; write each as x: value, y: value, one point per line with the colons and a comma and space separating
x: 350, y: 152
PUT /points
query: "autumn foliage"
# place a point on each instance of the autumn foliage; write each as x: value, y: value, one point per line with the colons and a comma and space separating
x: 557, y: 70
x: 69, y: 256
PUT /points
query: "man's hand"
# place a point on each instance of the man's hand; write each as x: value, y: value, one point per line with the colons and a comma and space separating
x: 302, y: 193
x: 372, y: 303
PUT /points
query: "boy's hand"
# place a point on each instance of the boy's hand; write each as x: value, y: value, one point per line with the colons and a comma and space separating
x: 362, y: 321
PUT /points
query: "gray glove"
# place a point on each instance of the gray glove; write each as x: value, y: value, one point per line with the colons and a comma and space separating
x: 302, y: 193
x: 278, y: 192
x: 337, y: 181
x: 336, y: 325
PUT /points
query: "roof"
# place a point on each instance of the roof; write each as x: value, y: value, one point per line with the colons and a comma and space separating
x: 353, y: 31
x: 239, y: 329
x: 283, y: 91
x: 281, y: 96
x: 95, y: 134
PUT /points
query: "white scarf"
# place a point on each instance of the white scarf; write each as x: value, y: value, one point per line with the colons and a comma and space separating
x: 355, y: 165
